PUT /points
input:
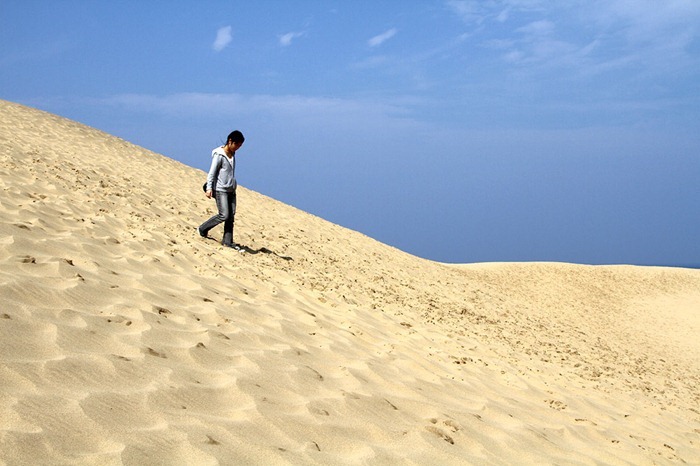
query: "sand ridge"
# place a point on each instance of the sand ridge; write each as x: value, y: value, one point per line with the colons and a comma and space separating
x: 127, y: 339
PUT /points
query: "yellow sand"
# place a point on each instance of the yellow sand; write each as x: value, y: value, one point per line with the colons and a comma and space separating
x: 125, y: 338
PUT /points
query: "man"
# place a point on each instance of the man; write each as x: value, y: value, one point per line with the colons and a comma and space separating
x: 221, y: 183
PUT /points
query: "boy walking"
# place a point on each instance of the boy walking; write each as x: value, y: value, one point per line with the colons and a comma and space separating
x: 221, y: 183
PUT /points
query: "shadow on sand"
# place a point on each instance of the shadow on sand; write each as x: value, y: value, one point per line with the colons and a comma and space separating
x: 264, y: 250
x: 250, y: 250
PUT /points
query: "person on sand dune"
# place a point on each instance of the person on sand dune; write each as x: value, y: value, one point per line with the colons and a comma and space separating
x: 221, y: 183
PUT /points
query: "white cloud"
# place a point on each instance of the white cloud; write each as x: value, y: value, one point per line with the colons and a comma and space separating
x: 469, y: 10
x: 223, y: 38
x: 286, y: 39
x: 643, y: 22
x: 381, y: 38
x: 587, y: 37
x: 294, y: 109
x: 369, y: 62
x: 538, y: 28
x: 503, y: 16
x: 479, y: 11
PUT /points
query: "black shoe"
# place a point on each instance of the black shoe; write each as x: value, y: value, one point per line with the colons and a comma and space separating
x: 235, y: 246
x: 203, y: 234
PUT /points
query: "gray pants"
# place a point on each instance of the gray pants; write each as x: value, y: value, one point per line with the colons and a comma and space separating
x: 226, y: 204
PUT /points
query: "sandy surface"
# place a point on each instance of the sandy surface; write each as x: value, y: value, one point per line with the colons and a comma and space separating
x: 125, y: 338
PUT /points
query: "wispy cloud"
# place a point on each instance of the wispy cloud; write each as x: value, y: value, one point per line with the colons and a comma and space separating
x: 286, y: 39
x: 381, y: 38
x: 223, y: 38
x: 537, y: 28
x: 369, y: 62
x: 293, y: 108
x: 479, y: 11
x: 645, y: 18
x: 469, y: 10
x: 598, y: 35
x: 537, y: 43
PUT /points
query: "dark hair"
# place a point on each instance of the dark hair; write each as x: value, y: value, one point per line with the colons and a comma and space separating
x: 236, y: 136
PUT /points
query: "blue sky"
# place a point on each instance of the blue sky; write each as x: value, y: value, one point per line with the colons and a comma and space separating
x: 459, y: 131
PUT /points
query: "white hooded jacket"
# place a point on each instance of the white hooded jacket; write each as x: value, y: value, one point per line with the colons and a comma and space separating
x: 222, y: 174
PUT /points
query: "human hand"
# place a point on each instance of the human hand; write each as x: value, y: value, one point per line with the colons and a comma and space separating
x: 209, y: 194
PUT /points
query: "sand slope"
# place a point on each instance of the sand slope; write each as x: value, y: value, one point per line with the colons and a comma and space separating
x: 125, y: 338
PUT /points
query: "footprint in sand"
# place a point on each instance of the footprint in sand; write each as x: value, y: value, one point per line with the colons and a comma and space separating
x: 438, y: 429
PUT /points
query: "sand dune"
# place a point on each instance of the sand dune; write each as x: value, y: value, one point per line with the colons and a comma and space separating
x: 125, y: 338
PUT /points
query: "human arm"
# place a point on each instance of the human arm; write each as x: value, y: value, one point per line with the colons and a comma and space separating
x: 212, y: 175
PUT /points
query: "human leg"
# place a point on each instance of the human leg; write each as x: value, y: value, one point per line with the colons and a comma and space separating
x: 224, y: 212
x: 228, y: 223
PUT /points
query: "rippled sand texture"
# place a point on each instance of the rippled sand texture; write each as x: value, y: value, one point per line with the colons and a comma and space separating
x: 125, y: 338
